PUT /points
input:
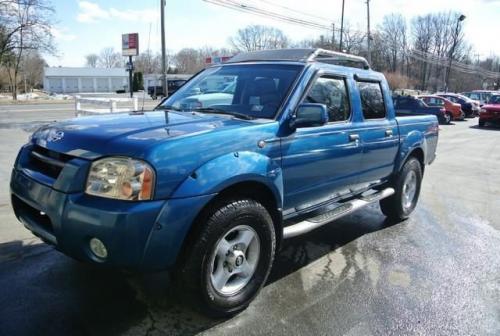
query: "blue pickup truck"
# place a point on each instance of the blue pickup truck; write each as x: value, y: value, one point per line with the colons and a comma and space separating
x: 211, y: 192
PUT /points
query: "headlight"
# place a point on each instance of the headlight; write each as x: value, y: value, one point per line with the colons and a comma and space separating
x: 121, y: 178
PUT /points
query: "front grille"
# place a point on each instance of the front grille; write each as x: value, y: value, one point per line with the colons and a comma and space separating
x: 48, y: 162
x: 26, y: 211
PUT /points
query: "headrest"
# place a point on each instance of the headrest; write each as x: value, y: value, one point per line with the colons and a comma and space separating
x: 264, y: 86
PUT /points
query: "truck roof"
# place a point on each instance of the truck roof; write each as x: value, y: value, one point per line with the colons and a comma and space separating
x: 304, y: 56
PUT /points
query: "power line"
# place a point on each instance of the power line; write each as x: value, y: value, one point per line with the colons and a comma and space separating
x: 460, y: 67
x: 255, y: 10
x: 243, y: 7
x: 455, y: 64
x: 246, y: 7
x: 295, y: 10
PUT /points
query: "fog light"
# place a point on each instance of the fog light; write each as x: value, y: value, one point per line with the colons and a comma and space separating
x: 97, y: 247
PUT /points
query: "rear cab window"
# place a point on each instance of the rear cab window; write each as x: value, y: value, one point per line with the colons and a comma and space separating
x: 372, y: 100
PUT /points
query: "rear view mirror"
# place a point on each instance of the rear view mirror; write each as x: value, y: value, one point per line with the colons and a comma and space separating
x: 309, y: 115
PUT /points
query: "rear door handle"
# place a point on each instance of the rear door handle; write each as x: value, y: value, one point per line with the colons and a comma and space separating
x: 388, y: 133
x: 353, y: 137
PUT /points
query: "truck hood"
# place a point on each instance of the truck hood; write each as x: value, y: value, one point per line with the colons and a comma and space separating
x: 126, y: 133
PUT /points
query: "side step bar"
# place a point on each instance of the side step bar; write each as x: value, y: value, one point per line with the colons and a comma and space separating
x: 339, y: 211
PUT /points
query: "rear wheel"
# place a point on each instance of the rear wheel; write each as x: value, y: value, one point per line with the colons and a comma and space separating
x: 230, y: 260
x: 407, y: 190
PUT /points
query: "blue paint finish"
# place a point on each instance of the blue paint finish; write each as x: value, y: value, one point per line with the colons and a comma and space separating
x: 317, y: 162
x: 195, y: 156
x: 75, y: 218
x: 230, y: 169
x: 167, y: 236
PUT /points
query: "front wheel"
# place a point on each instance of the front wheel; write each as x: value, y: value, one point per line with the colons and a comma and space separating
x: 447, y: 118
x: 481, y: 123
x: 407, y: 190
x: 231, y: 258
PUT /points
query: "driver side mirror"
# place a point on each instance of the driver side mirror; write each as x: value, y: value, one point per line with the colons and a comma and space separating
x: 309, y: 115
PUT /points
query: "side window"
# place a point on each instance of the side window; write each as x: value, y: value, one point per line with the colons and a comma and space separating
x: 475, y: 96
x: 333, y: 93
x: 372, y: 101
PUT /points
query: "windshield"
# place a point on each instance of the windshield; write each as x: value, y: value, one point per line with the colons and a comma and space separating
x: 253, y: 90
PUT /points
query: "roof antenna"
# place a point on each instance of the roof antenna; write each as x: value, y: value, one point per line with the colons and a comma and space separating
x: 144, y: 91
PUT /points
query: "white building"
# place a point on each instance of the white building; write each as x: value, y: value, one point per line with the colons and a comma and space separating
x: 74, y: 80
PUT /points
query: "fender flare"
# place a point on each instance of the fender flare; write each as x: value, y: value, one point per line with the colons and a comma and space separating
x: 229, y: 169
x: 414, y: 140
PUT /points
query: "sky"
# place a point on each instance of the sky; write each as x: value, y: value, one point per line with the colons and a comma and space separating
x: 84, y: 27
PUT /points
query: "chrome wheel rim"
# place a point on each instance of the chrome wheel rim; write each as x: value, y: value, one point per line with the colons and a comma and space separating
x: 234, y: 260
x: 409, y: 189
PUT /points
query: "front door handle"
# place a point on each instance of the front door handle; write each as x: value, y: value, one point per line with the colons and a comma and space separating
x: 353, y: 137
x: 388, y: 133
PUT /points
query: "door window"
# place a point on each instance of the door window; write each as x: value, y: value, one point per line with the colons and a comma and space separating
x: 372, y: 101
x: 333, y: 93
x: 475, y: 96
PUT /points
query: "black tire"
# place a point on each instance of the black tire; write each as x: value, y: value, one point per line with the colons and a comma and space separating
x: 481, y: 123
x: 393, y: 206
x: 448, y: 117
x: 195, y: 272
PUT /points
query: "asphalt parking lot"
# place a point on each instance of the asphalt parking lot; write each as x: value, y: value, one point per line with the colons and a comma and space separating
x: 437, y: 273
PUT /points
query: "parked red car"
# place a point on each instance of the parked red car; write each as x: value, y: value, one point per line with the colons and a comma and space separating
x: 490, y: 113
x: 453, y: 110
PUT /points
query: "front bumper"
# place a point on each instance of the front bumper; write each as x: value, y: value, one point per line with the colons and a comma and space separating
x: 492, y: 117
x: 137, y: 235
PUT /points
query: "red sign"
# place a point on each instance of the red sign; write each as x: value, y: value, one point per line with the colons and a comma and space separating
x: 217, y: 59
x: 130, y: 44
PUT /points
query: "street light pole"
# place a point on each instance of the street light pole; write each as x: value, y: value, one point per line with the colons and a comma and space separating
x: 452, y: 51
x: 163, y: 52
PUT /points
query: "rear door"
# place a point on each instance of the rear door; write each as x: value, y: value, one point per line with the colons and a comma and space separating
x: 379, y: 133
x: 320, y: 163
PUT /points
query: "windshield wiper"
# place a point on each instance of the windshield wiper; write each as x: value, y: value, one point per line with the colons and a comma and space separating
x: 167, y: 107
x: 220, y: 111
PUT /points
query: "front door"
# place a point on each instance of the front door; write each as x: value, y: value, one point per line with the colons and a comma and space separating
x: 320, y: 163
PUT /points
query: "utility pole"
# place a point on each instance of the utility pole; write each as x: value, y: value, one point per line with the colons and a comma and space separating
x: 342, y: 26
x: 452, y: 51
x: 130, y: 67
x: 369, y: 36
x: 163, y: 51
x: 333, y: 36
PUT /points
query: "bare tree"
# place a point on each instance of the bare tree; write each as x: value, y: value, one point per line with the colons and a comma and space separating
x: 149, y: 63
x: 352, y: 40
x: 108, y: 58
x: 423, y: 36
x: 189, y: 60
x: 91, y: 60
x: 25, y: 25
x: 32, y: 65
x: 258, y: 37
x: 393, y: 36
